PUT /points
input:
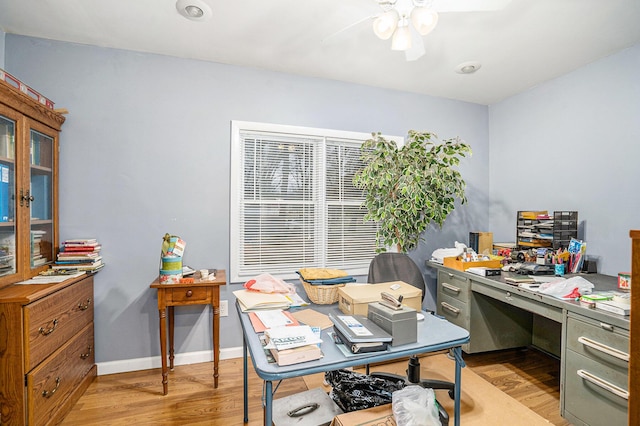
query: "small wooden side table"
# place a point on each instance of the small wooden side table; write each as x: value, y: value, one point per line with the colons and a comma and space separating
x: 201, y: 292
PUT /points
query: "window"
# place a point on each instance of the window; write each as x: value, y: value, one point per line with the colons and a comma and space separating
x: 293, y: 203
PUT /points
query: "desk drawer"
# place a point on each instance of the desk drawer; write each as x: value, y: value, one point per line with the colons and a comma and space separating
x: 54, y: 380
x: 599, y: 341
x: 522, y: 302
x: 593, y: 394
x: 453, y: 285
x: 188, y: 295
x: 453, y: 310
x: 51, y: 321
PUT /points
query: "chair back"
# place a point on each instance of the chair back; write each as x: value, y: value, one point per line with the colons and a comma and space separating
x: 387, y: 267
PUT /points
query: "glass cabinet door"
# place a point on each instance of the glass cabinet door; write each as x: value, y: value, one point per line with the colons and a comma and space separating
x: 40, y: 199
x: 7, y: 196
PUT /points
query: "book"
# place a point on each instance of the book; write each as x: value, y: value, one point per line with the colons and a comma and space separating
x: 614, y: 307
x: 359, y: 329
x: 296, y: 355
x: 281, y: 338
x: 80, y: 249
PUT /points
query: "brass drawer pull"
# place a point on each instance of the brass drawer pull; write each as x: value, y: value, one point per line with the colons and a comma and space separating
x: 604, y: 348
x: 85, y: 306
x: 49, y: 394
x: 189, y: 293
x: 451, y: 287
x: 603, y: 384
x: 88, y: 354
x: 449, y: 307
x: 46, y: 331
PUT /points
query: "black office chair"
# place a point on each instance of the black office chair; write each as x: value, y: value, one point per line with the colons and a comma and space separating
x: 387, y: 267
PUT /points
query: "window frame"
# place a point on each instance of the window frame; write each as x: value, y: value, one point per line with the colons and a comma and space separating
x: 238, y: 128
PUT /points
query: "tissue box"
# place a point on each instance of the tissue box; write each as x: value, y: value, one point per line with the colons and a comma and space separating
x: 354, y: 299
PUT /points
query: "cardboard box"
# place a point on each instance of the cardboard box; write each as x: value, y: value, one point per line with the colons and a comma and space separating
x: 481, y: 242
x: 455, y: 263
x: 376, y: 416
x: 354, y: 299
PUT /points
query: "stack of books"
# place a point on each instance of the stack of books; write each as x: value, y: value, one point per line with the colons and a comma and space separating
x: 37, y: 258
x: 294, y: 344
x: 82, y: 254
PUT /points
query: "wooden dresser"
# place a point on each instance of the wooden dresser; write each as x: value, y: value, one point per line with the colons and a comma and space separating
x: 46, y: 350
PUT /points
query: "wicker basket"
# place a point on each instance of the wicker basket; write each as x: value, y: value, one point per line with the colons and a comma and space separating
x: 321, y: 294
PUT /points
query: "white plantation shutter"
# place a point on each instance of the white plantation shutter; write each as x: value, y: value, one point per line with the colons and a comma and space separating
x: 293, y: 203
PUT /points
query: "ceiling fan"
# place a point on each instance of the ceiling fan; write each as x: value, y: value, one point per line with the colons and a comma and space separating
x: 405, y: 22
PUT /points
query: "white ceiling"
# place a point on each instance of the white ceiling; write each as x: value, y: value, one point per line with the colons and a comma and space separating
x: 519, y: 46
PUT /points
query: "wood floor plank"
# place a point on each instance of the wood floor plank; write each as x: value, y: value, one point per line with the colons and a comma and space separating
x: 135, y: 398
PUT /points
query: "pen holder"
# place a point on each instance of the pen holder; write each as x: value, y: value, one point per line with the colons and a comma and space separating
x: 559, y: 269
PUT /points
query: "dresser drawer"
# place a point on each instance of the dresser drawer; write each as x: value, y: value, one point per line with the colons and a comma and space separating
x: 54, y: 380
x: 599, y: 341
x: 185, y: 295
x: 594, y: 394
x: 453, y: 285
x: 51, y: 321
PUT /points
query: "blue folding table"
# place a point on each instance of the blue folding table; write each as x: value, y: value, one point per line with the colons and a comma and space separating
x: 434, y: 334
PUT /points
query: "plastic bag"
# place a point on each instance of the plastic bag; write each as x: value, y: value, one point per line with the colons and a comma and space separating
x: 571, y: 288
x: 267, y: 283
x: 415, y: 406
x: 354, y: 391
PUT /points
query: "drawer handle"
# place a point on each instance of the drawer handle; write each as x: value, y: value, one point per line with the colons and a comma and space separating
x: 604, y: 348
x: 451, y: 287
x: 85, y: 306
x: 49, y: 394
x: 46, y: 331
x: 189, y: 293
x: 603, y: 384
x: 88, y: 354
x: 449, y: 307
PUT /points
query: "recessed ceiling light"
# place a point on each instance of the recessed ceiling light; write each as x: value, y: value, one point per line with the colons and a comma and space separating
x: 468, y: 67
x: 196, y: 10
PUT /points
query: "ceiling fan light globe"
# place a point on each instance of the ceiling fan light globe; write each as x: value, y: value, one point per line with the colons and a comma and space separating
x: 401, y: 39
x: 385, y: 24
x: 424, y: 19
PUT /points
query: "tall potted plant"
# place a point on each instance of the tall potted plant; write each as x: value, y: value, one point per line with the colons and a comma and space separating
x: 411, y: 187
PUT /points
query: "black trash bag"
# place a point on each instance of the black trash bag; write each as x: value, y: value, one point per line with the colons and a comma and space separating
x: 355, y: 391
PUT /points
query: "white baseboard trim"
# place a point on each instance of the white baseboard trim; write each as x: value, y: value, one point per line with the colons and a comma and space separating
x: 136, y: 364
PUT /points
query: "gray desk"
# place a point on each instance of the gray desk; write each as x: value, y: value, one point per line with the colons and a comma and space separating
x: 434, y: 334
x: 593, y: 345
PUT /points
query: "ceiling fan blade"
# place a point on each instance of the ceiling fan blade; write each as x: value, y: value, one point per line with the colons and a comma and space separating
x: 348, y: 27
x: 417, y: 46
x: 469, y: 5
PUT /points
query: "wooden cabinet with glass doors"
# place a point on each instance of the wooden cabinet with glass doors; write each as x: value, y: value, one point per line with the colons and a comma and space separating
x: 28, y: 185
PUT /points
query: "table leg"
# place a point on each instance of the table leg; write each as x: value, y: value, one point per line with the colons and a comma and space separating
x: 171, y: 352
x: 268, y: 403
x: 216, y: 343
x: 163, y: 349
x: 457, y: 352
x: 245, y: 379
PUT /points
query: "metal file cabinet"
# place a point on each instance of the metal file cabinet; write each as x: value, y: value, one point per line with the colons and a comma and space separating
x: 595, y: 374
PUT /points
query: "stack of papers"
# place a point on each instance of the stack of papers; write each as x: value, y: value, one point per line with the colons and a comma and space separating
x: 255, y: 300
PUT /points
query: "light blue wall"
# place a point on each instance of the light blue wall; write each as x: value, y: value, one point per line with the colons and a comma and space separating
x: 145, y: 150
x: 573, y: 144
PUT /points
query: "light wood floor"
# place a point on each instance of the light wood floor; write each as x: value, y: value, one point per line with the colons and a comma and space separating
x: 135, y: 398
